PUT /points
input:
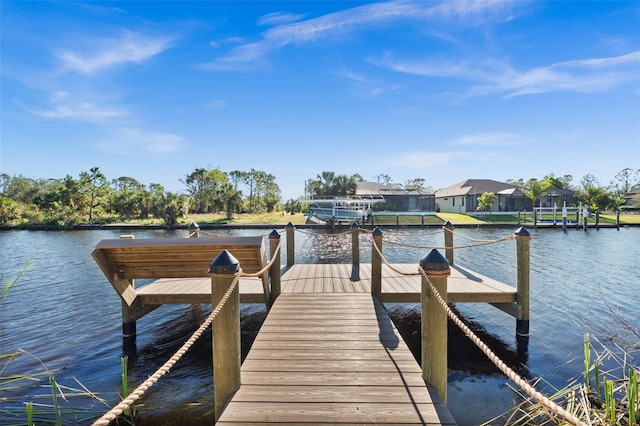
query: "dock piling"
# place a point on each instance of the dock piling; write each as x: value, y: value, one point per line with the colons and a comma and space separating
x: 434, y: 322
x: 274, y: 271
x: 355, y: 244
x: 291, y: 246
x: 448, y: 241
x: 376, y: 263
x: 128, y: 319
x: 523, y: 242
x: 194, y: 230
x: 226, y: 331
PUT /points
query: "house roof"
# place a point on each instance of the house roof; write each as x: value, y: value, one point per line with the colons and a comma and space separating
x: 474, y: 186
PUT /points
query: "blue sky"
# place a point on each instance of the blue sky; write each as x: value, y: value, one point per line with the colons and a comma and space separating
x: 443, y: 91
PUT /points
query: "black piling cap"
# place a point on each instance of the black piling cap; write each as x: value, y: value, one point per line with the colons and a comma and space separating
x: 290, y: 225
x: 194, y: 225
x: 274, y: 235
x: 225, y: 263
x: 522, y: 232
x: 377, y: 232
x: 448, y: 224
x: 354, y: 225
x: 434, y: 261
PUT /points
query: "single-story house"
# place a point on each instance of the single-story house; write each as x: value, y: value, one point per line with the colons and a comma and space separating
x: 558, y: 197
x: 397, y: 200
x: 632, y: 198
x: 463, y: 197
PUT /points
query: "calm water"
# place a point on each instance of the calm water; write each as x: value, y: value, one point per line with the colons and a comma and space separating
x: 64, y: 317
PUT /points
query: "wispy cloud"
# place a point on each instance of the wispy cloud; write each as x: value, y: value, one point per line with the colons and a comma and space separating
x: 105, y: 53
x: 585, y: 75
x: 63, y: 105
x: 490, y: 139
x: 132, y: 141
x: 279, y: 18
x: 344, y: 22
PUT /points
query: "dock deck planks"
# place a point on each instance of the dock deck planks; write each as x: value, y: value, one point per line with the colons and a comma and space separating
x: 331, y: 358
x: 464, y: 285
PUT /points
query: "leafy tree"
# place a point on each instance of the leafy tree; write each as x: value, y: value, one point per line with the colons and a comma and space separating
x: 534, y: 189
x: 623, y: 183
x: 230, y: 197
x: 593, y: 194
x: 127, y: 196
x: 551, y: 181
x: 95, y: 185
x: 9, y: 210
x: 486, y: 200
x: 293, y: 206
x: 330, y: 184
x: 383, y: 179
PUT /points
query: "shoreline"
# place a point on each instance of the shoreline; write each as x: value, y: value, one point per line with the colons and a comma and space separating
x: 92, y: 227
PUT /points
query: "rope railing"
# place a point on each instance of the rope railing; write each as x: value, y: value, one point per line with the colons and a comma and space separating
x: 126, y: 403
x: 315, y: 234
x: 267, y: 266
x: 483, y: 243
x: 393, y: 268
x: 509, y: 372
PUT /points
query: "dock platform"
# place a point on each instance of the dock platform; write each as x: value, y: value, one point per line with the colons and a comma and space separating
x: 332, y: 358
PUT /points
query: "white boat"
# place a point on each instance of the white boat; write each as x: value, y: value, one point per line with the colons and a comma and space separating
x: 341, y: 208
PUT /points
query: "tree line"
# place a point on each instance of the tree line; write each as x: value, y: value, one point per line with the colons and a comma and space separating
x: 93, y: 198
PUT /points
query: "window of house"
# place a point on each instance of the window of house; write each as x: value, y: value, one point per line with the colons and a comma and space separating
x: 454, y: 201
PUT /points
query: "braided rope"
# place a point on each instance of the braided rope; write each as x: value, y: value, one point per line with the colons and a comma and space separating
x: 393, y: 268
x: 164, y: 369
x: 485, y: 243
x: 267, y: 266
x: 523, y: 384
x: 469, y: 238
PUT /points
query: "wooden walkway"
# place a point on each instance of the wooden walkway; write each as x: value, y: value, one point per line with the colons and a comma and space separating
x: 464, y: 285
x: 331, y: 358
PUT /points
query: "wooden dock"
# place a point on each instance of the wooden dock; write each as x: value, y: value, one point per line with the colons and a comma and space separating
x: 327, y: 353
x: 464, y: 285
x: 332, y: 358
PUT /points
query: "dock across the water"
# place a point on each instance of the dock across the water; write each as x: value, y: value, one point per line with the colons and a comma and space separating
x: 327, y: 353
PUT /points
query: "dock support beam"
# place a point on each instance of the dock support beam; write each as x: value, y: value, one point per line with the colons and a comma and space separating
x: 128, y: 319
x: 226, y: 331
x: 355, y: 244
x: 523, y: 242
x: 448, y: 241
x: 434, y: 322
x: 376, y: 263
x: 291, y: 245
x: 274, y: 271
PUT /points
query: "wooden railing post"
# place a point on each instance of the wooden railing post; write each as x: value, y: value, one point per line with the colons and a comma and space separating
x: 291, y: 246
x: 434, y: 322
x: 128, y: 319
x: 523, y: 242
x: 226, y: 331
x: 376, y: 262
x: 274, y: 271
x: 194, y: 230
x: 355, y: 244
x: 448, y: 241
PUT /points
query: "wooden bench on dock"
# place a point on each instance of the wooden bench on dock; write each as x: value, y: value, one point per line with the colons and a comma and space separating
x: 123, y: 260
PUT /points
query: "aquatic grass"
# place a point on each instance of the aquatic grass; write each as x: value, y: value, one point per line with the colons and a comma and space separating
x: 605, y: 400
x: 124, y: 376
x: 6, y: 287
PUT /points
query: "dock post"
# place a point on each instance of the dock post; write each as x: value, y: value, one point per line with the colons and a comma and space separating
x: 274, y: 271
x: 448, y: 241
x: 376, y: 263
x: 618, y: 218
x: 226, y: 331
x: 434, y: 322
x: 585, y: 218
x: 564, y: 218
x: 597, y: 219
x: 355, y: 244
x: 128, y: 319
x: 523, y: 243
x: 291, y: 246
x: 194, y: 230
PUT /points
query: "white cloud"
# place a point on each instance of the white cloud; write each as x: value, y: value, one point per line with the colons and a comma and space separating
x: 131, y: 141
x: 350, y: 20
x: 278, y: 18
x: 101, y: 54
x: 64, y: 105
x: 583, y: 76
x: 490, y: 139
